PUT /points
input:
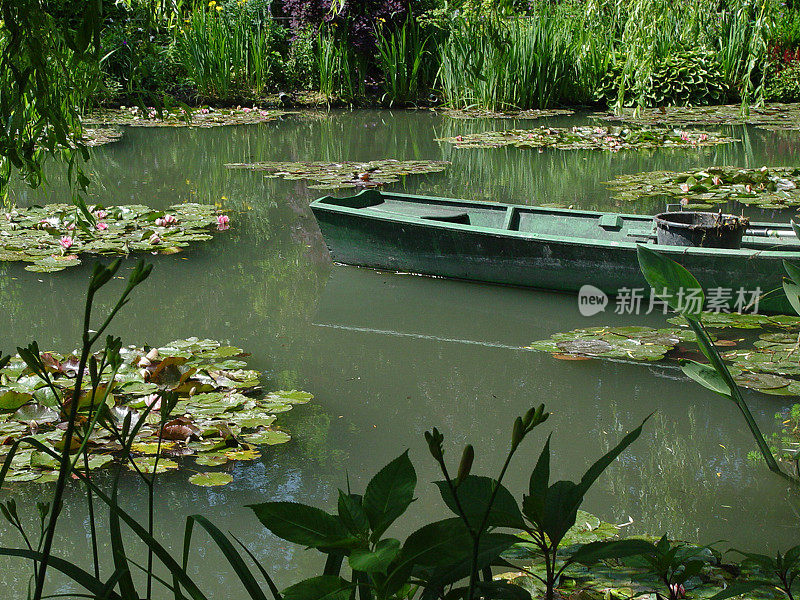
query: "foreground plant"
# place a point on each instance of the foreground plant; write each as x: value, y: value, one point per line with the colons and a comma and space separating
x: 451, y: 558
x: 668, y: 279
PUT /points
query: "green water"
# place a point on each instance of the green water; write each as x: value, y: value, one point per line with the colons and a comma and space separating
x: 388, y: 356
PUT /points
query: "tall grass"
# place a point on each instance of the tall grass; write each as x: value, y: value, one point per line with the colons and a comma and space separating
x: 228, y: 53
x: 521, y: 63
x: 341, y: 70
x: 404, y: 59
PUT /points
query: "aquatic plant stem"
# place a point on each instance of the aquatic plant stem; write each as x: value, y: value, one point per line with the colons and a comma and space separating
x: 65, y: 464
x: 711, y: 352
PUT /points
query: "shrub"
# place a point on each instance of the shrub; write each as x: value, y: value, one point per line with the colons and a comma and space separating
x: 684, y: 78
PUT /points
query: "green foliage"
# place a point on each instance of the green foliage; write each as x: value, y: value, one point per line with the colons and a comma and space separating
x: 340, y: 67
x: 668, y: 279
x: 783, y: 85
x: 519, y: 63
x: 685, y: 78
x: 672, y: 563
x: 49, y: 67
x: 232, y: 52
x: 406, y: 62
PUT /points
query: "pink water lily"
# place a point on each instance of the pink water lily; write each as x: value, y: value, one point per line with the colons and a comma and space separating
x: 684, y: 201
x: 153, y: 401
x: 685, y: 136
x: 684, y: 188
x: 716, y: 180
x: 748, y: 188
x: 703, y: 137
x: 100, y: 214
x: 66, y: 242
x: 154, y: 239
x: 166, y: 221
x: 223, y: 220
x: 101, y: 226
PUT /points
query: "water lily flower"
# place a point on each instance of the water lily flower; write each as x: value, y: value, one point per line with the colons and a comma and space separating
x: 703, y: 137
x: 748, y: 188
x: 684, y: 136
x: 263, y: 113
x: 101, y: 226
x: 100, y: 214
x: 677, y: 590
x: 66, y: 242
x: 684, y: 201
x: 169, y: 220
x: 223, y: 219
x: 204, y: 111
x: 153, y: 401
x: 154, y: 239
x: 716, y: 180
x: 246, y: 110
x: 684, y: 188
x: 459, y: 138
x: 71, y: 227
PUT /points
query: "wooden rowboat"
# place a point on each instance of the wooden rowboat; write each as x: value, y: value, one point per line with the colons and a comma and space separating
x: 546, y: 248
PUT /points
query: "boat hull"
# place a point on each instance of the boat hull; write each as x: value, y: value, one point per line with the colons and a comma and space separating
x: 358, y: 237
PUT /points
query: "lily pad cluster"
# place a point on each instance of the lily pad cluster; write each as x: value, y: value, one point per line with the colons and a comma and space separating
x: 767, y: 187
x: 99, y: 136
x: 478, y: 113
x: 589, y: 138
x: 771, y: 365
x: 52, y: 237
x: 221, y: 415
x: 633, y: 343
x: 743, y: 321
x: 135, y: 116
x: 774, y: 117
x: 345, y: 174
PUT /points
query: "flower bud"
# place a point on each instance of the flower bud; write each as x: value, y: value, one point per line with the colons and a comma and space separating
x: 467, y: 457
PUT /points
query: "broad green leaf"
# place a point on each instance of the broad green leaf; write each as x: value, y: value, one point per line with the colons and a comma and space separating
x: 474, y: 493
x: 706, y: 376
x: 11, y: 400
x: 670, y: 281
x: 596, y: 551
x: 389, y: 493
x: 737, y: 589
x: 376, y: 561
x: 302, y: 524
x: 210, y: 479
x: 491, y: 546
x: 352, y: 514
x: 325, y: 587
x: 792, y: 291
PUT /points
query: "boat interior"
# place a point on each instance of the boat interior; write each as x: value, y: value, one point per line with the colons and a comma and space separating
x: 545, y: 221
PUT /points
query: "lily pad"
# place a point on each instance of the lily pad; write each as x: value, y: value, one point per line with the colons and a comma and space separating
x: 345, y: 174
x: 774, y: 116
x: 221, y: 413
x: 203, y: 116
x: 478, y: 113
x: 210, y: 479
x: 773, y: 187
x: 589, y: 138
x: 633, y: 343
x: 53, y: 237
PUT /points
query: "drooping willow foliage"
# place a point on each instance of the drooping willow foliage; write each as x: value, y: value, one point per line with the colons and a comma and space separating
x: 49, y: 61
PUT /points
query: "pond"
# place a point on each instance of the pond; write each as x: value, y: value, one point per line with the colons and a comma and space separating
x: 388, y: 356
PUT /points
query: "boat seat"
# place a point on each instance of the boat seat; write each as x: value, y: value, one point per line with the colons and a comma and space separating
x: 431, y: 213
